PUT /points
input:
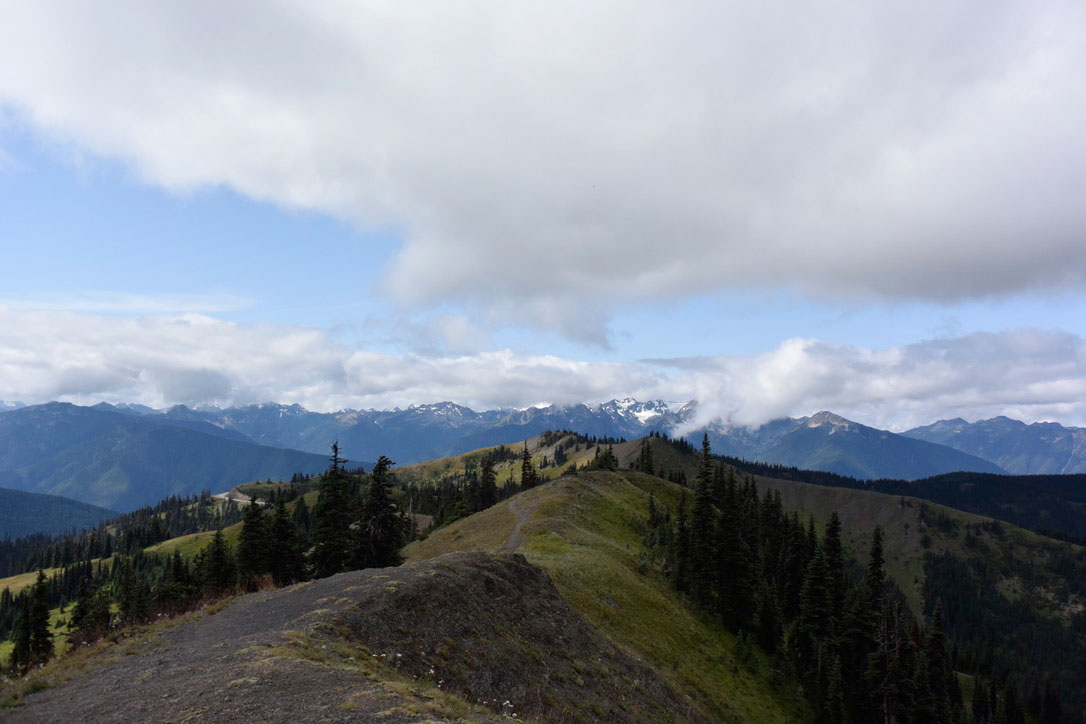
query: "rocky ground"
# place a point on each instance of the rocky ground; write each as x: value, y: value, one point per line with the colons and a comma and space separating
x: 437, y: 640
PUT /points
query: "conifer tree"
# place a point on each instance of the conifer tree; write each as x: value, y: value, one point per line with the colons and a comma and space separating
x: 834, y: 554
x: 680, y: 570
x: 488, y: 484
x: 33, y: 639
x: 332, y: 518
x: 216, y: 566
x: 733, y: 576
x: 876, y: 577
x: 528, y: 476
x: 703, y: 568
x: 41, y: 639
x: 90, y: 615
x: 286, y: 562
x: 20, y: 658
x: 300, y: 516
x: 382, y: 531
x: 253, y: 545
x: 814, y: 616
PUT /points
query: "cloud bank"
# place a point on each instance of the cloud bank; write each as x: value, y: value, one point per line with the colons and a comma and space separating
x: 194, y: 359
x: 548, y: 161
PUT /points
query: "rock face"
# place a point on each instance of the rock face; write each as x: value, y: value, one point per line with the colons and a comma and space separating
x: 374, y: 644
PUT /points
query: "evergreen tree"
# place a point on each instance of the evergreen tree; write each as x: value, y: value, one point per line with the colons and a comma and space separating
x: 133, y: 595
x: 216, y: 566
x: 286, y: 562
x: 644, y: 459
x: 253, y: 545
x: 680, y: 570
x: 876, y: 577
x: 382, y: 531
x: 33, y: 639
x: 20, y: 658
x: 834, y: 554
x: 703, y: 568
x: 733, y: 582
x: 41, y: 639
x: 332, y: 518
x: 814, y: 617
x: 488, y: 484
x: 301, y: 516
x: 528, y: 476
x: 90, y: 615
x: 176, y: 592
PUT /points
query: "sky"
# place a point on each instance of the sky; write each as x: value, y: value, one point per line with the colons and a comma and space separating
x: 771, y: 209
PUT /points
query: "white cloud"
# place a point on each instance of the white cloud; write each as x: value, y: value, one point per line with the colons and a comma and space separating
x: 194, y: 359
x: 547, y: 161
x: 1027, y: 374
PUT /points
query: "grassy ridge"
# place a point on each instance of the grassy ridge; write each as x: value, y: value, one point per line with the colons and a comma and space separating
x: 584, y: 531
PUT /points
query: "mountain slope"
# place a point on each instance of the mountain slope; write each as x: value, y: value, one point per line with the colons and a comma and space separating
x: 823, y: 441
x: 584, y: 531
x: 1042, y: 448
x: 122, y: 461
x: 829, y: 442
x: 22, y: 514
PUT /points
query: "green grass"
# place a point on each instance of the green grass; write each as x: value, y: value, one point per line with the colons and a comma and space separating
x: 191, y: 544
x: 583, y: 532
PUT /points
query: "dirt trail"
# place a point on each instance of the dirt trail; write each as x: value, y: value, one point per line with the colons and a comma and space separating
x: 219, y: 669
x: 522, y: 517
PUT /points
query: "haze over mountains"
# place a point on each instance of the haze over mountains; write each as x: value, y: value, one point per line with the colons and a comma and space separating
x: 121, y: 461
x: 123, y: 456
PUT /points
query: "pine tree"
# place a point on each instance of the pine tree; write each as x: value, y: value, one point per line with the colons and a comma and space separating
x: 834, y: 554
x: 680, y: 570
x: 644, y: 459
x: 216, y: 567
x: 528, y: 476
x: 90, y: 615
x: 33, y: 639
x: 876, y: 577
x: 253, y: 545
x: 20, y: 658
x: 332, y: 518
x: 733, y: 576
x: 286, y: 562
x: 301, y: 516
x: 488, y: 484
x: 703, y: 568
x: 814, y: 616
x: 382, y: 531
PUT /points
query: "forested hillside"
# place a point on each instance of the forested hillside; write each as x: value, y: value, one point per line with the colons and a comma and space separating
x: 23, y: 514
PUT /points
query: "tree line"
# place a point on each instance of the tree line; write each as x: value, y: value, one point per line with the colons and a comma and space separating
x: 842, y: 629
x: 354, y: 523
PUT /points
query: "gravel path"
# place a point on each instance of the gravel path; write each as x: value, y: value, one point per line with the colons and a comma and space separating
x: 218, y: 669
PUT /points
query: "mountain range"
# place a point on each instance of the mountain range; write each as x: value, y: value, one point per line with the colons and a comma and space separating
x: 1042, y: 448
x: 122, y: 456
x: 120, y: 461
x: 822, y: 442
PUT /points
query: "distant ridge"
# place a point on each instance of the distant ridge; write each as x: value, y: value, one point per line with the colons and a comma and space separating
x: 23, y: 514
x: 1041, y: 448
x: 122, y: 460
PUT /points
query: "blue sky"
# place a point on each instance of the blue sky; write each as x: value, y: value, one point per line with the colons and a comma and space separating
x: 387, y: 206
